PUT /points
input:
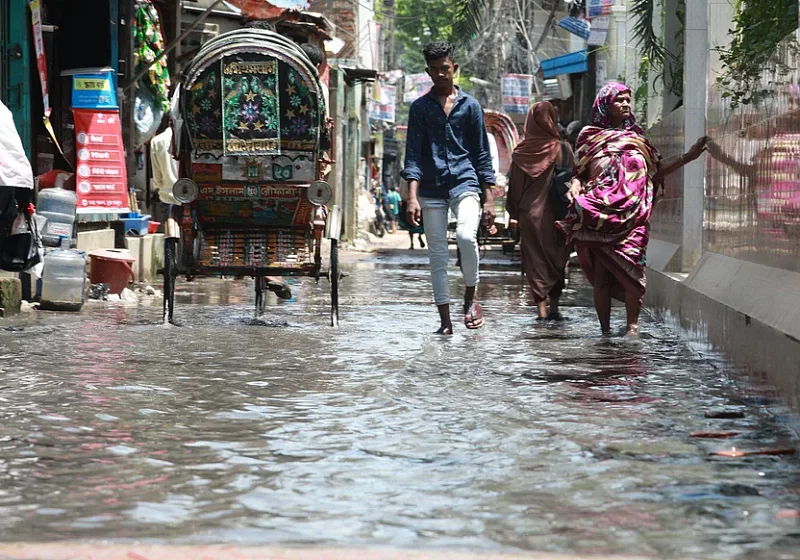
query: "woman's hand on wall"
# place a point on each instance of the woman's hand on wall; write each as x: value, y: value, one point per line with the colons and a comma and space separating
x: 697, y: 149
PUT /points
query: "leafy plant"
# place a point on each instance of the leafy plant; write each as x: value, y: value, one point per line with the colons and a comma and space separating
x: 759, y: 28
x: 669, y: 65
x: 467, y: 19
x: 642, y: 94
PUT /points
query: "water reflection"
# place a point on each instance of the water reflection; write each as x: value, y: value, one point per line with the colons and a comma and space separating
x: 753, y: 195
x: 521, y: 435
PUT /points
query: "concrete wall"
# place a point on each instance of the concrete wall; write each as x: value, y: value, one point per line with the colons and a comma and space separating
x: 148, y: 251
x: 748, y: 311
x: 98, y: 239
x: 731, y: 220
x: 667, y: 220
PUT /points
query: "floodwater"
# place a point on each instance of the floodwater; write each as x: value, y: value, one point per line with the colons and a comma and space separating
x: 519, y: 436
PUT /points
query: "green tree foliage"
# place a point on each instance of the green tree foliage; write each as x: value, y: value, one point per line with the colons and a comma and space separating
x: 418, y: 22
x: 759, y: 26
x: 668, y: 65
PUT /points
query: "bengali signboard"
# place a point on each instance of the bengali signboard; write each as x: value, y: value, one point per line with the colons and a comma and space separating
x: 101, y: 178
x: 516, y: 90
x: 597, y: 8
x: 246, y: 193
x: 94, y: 90
x: 599, y: 31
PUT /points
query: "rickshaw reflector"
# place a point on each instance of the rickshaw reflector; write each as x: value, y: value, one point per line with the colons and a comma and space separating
x: 185, y: 191
x: 320, y: 193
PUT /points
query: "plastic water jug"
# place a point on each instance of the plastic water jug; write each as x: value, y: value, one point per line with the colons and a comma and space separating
x: 59, y: 206
x: 63, y: 278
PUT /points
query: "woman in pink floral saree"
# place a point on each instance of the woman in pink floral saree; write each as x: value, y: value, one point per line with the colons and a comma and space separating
x: 616, y: 173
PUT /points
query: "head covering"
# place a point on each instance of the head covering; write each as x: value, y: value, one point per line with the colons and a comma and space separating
x: 541, y: 144
x: 603, y: 103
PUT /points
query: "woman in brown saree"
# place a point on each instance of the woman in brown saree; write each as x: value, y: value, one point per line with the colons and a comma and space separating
x: 544, y: 252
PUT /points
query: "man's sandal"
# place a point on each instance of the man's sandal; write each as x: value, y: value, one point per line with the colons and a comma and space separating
x: 473, y: 316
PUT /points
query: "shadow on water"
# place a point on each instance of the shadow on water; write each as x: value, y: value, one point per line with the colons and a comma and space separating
x: 279, y: 429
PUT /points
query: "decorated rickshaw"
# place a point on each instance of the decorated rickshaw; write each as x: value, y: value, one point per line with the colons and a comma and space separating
x: 503, y: 134
x: 252, y: 201
x: 503, y: 138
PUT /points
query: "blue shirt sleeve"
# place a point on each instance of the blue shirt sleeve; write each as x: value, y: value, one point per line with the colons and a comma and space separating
x: 481, y: 154
x: 415, y: 137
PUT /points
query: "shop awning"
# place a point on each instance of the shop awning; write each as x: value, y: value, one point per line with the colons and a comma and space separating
x: 352, y: 75
x: 572, y: 63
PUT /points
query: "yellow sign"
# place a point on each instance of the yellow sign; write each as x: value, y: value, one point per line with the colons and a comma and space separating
x: 92, y: 84
x: 254, y: 67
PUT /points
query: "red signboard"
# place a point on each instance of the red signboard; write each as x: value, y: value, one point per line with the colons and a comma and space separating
x: 101, y: 179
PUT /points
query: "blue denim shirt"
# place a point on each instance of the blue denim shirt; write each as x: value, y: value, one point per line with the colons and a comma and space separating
x: 447, y: 155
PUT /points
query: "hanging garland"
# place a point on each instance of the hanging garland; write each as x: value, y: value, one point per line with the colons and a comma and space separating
x: 148, y: 44
x: 759, y: 27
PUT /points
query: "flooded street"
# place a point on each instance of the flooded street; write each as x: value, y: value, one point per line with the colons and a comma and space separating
x: 519, y: 436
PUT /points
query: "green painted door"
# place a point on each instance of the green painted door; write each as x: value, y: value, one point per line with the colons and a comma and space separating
x: 15, y: 73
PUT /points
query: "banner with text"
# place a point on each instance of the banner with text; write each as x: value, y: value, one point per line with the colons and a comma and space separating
x: 101, y: 182
x: 383, y: 109
x: 599, y: 31
x: 597, y: 8
x: 516, y: 89
x: 415, y: 86
x: 41, y: 62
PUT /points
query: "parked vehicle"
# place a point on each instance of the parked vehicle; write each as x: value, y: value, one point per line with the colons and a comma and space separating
x: 253, y: 202
x: 379, y: 222
x: 503, y: 138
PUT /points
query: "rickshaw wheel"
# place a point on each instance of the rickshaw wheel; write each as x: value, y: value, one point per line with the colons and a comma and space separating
x: 333, y: 276
x: 261, y: 305
x: 170, y: 274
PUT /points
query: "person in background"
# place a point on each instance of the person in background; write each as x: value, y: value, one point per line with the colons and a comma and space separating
x: 448, y: 167
x: 572, y: 131
x: 613, y: 192
x: 544, y: 253
x: 165, y: 167
x: 317, y: 58
x: 393, y: 201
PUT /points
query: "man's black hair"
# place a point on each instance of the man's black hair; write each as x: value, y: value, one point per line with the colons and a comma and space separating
x: 314, y: 53
x: 439, y: 49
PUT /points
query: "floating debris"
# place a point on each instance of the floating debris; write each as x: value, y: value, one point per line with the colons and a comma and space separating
x: 714, y: 435
x: 724, y: 414
x: 739, y: 453
x: 788, y: 514
x: 99, y: 291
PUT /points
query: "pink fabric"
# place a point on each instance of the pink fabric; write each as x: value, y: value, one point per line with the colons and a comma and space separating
x: 610, y: 222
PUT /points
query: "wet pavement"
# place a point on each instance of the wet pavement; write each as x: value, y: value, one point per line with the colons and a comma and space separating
x: 284, y: 432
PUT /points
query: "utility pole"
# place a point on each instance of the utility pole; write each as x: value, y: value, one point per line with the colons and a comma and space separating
x: 494, y: 45
x: 389, y: 34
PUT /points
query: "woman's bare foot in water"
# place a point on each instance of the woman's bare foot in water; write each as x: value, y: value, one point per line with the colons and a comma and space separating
x: 631, y: 331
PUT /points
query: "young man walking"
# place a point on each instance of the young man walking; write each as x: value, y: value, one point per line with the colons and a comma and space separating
x: 449, y: 167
